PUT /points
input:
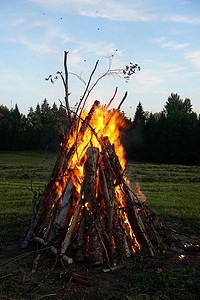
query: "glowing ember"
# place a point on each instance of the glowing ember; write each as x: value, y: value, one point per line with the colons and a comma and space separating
x: 182, y: 256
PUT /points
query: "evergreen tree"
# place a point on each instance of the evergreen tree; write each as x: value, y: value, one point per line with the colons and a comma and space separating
x: 139, y: 118
x: 4, y: 128
x: 175, y: 104
x: 136, y: 135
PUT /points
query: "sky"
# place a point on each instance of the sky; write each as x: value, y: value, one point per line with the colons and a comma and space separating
x: 161, y: 36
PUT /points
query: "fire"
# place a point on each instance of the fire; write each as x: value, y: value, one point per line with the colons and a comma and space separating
x: 104, y: 123
x: 125, y: 218
x: 114, y: 121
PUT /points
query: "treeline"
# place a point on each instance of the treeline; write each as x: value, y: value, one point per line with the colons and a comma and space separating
x: 39, y: 130
x: 171, y: 136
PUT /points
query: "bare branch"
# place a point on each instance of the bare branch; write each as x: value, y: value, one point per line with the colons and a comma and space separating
x: 66, y: 86
x: 86, y: 89
x: 79, y: 77
x: 111, y: 100
x: 123, y: 99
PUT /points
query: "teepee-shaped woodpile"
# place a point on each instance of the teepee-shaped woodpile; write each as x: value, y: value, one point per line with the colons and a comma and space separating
x: 88, y: 212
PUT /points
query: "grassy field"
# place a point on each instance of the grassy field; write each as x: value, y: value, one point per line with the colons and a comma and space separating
x: 173, y: 192
x: 19, y: 172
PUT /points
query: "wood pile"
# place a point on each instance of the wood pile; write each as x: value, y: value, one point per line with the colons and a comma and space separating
x: 88, y: 212
x: 103, y: 219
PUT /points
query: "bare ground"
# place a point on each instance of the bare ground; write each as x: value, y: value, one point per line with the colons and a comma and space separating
x: 141, y: 277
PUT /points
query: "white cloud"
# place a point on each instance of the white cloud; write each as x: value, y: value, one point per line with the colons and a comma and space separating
x: 146, y: 79
x: 114, y: 10
x: 99, y: 48
x: 171, y: 44
x: 37, y: 48
x: 194, y: 57
x: 51, y: 32
x: 183, y: 19
x: 123, y: 11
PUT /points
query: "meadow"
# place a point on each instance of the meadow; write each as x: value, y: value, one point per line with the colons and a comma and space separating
x: 172, y: 191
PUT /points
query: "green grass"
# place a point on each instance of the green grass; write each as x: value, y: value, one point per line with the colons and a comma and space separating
x: 172, y: 191
x: 19, y: 172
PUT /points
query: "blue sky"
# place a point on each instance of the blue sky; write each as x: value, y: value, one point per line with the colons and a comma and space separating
x: 162, y: 36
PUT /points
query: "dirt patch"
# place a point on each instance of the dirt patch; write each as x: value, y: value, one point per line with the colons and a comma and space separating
x: 161, y: 277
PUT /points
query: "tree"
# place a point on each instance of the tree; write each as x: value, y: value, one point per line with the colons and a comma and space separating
x: 4, y: 128
x: 175, y: 104
x: 136, y: 135
x: 139, y: 118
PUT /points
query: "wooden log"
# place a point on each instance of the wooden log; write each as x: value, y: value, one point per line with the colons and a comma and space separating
x: 109, y: 201
x: 53, y: 250
x: 33, y: 217
x: 108, y: 198
x: 91, y: 210
x: 56, y: 227
x: 60, y: 169
x: 115, y: 225
x: 69, y: 233
x: 136, y: 221
x: 156, y: 229
x: 131, y: 200
x: 81, y: 240
x: 50, y: 190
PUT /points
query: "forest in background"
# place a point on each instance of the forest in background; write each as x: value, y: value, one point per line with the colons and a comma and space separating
x: 170, y: 136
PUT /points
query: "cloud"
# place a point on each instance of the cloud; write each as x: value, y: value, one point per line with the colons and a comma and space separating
x: 171, y: 44
x: 42, y: 41
x: 51, y: 32
x: 99, y: 48
x: 123, y: 11
x: 114, y: 10
x: 194, y: 57
x: 146, y: 79
x: 37, y: 48
x: 183, y: 19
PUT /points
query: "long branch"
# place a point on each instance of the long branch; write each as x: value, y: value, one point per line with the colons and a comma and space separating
x: 67, y: 87
x: 111, y: 100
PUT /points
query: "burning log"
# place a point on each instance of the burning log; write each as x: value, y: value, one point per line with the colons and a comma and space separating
x: 88, y: 211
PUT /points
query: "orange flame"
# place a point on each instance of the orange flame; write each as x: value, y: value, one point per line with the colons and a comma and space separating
x: 105, y: 123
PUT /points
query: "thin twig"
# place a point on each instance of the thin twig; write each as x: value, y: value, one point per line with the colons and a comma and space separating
x: 5, y: 276
x: 86, y: 89
x: 16, y: 258
x: 6, y: 297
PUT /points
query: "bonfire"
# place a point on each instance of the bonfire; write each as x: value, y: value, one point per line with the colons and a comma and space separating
x: 88, y: 212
